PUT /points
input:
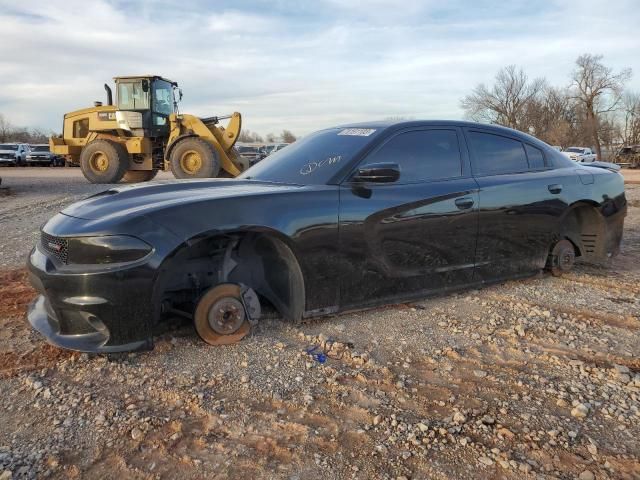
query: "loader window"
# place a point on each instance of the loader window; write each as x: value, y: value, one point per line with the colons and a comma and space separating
x: 81, y: 128
x: 162, y: 97
x: 132, y: 97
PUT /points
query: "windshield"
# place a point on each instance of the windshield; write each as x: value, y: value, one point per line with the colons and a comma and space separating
x: 162, y: 97
x: 132, y: 97
x: 8, y: 147
x: 39, y: 148
x: 313, y: 160
x: 574, y: 150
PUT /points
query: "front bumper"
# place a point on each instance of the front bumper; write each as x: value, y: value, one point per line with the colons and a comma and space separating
x: 100, y: 312
x: 38, y: 159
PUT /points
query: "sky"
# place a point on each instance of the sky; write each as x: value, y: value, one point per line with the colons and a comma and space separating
x: 299, y: 65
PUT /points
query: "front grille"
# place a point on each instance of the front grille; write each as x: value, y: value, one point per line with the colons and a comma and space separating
x: 55, y: 246
x: 7, y: 156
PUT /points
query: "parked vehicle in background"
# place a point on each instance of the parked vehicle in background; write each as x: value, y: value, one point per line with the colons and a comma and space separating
x: 41, y: 155
x: 580, y: 154
x: 253, y: 153
x: 557, y: 147
x: 628, y: 156
x: 345, y: 218
x: 13, y: 153
x: 269, y: 149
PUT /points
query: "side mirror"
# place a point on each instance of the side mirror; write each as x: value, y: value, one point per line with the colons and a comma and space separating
x: 377, y: 173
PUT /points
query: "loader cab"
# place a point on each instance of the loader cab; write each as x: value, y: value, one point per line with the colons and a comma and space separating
x: 144, y: 105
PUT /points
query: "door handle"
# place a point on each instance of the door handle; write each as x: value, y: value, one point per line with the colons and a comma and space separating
x: 555, y: 188
x: 464, y: 203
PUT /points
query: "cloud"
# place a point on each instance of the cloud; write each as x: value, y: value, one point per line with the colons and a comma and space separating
x: 300, y: 66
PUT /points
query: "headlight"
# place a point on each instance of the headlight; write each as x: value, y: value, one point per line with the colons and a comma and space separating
x: 106, y: 249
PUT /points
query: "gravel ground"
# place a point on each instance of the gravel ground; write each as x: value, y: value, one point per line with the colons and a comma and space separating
x: 536, y: 378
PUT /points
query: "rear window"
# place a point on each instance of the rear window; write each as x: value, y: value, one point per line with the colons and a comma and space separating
x: 495, y: 154
x: 535, y: 156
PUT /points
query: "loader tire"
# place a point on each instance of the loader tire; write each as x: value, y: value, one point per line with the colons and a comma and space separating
x: 104, y: 161
x: 194, y: 158
x: 136, y: 176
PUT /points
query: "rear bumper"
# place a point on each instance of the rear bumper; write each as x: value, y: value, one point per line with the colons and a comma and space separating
x: 97, y: 312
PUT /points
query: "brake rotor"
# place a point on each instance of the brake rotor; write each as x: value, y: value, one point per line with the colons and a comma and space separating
x: 220, y: 317
x: 563, y: 257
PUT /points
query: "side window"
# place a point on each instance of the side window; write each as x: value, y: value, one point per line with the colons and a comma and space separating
x: 422, y: 155
x: 535, y: 156
x: 496, y: 154
x: 81, y: 128
x: 131, y: 96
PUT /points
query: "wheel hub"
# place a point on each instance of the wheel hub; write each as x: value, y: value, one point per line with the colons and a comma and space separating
x: 191, y: 162
x: 99, y: 162
x: 563, y: 257
x: 566, y: 259
x: 226, y: 316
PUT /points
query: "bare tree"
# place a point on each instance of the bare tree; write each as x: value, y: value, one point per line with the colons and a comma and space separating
x: 630, y: 131
x: 11, y: 133
x: 5, y: 129
x: 247, y: 136
x: 552, y: 117
x: 598, y: 90
x: 504, y: 103
x: 271, y: 138
x: 288, y: 137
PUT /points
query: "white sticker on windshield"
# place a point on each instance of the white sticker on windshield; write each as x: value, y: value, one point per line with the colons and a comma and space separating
x: 358, y: 132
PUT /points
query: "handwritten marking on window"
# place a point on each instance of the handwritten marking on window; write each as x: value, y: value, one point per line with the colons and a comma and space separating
x: 313, y: 166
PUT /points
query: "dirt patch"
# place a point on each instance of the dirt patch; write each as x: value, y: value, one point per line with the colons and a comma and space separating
x: 537, y: 378
x: 20, y: 350
x: 43, y: 356
x: 16, y: 293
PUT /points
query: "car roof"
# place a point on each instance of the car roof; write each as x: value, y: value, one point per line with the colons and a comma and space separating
x: 399, y: 125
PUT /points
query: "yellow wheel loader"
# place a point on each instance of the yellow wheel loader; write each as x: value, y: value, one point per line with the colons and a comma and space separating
x: 143, y: 132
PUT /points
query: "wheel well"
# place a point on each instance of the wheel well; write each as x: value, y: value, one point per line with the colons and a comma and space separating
x: 259, y: 260
x: 585, y: 227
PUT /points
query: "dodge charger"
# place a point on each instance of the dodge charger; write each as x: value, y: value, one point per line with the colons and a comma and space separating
x: 345, y: 218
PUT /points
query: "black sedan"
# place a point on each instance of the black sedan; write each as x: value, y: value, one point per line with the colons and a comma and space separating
x: 345, y: 218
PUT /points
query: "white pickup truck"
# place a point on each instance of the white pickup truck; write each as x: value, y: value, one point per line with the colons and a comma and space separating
x: 580, y: 154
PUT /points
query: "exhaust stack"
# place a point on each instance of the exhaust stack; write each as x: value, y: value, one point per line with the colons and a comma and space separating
x: 109, y: 94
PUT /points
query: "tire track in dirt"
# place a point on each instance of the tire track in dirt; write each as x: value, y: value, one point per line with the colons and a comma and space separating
x: 625, y: 322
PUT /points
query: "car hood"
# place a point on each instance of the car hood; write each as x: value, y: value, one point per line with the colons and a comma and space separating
x: 140, y: 199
